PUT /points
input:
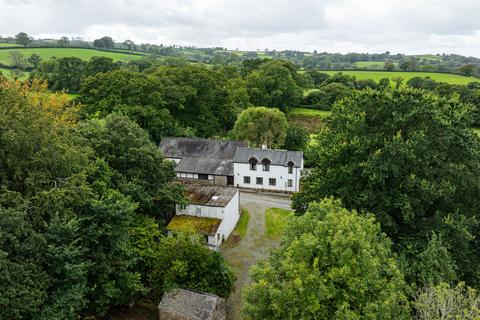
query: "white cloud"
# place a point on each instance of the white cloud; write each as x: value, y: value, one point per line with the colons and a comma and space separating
x: 409, y: 26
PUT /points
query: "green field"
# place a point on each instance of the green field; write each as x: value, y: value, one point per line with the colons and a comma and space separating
x: 4, y: 44
x: 276, y: 220
x: 370, y: 64
x: 377, y: 75
x: 309, y: 112
x: 8, y: 74
x: 84, y: 54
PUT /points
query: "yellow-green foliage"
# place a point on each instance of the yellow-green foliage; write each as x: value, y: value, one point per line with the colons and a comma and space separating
x: 276, y: 220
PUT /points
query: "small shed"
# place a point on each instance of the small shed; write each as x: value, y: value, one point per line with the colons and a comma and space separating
x: 181, y: 304
x: 212, y: 211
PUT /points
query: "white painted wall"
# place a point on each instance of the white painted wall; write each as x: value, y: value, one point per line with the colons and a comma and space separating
x: 228, y: 214
x: 280, y: 173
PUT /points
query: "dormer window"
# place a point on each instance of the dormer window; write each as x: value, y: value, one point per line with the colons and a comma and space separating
x: 266, y: 164
x: 253, y: 164
x: 290, y: 167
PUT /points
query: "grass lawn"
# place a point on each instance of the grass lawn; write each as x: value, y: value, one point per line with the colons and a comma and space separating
x: 240, y: 230
x: 309, y: 112
x: 377, y: 75
x: 84, y: 54
x: 276, y: 220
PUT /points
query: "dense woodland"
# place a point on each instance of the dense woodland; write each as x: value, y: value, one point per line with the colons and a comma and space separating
x: 386, y: 225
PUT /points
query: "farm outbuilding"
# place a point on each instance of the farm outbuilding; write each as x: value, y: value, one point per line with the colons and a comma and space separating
x: 212, y: 212
x: 180, y: 304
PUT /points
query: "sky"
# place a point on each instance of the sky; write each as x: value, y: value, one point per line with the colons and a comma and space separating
x: 402, y: 26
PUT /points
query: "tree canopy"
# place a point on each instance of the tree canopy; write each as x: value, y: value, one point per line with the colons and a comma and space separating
x: 261, y: 126
x: 410, y: 158
x: 332, y: 264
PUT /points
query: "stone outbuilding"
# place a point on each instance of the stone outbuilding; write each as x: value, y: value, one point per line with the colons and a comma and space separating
x: 181, y: 304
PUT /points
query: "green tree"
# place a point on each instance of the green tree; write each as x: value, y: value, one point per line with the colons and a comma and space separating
x: 332, y: 264
x: 131, y: 93
x: 99, y: 65
x: 184, y: 261
x: 22, y: 39
x: 261, y: 126
x: 447, y: 302
x: 296, y: 138
x: 63, y: 42
x: 273, y: 85
x: 67, y: 74
x: 104, y: 43
x: 410, y: 158
x: 34, y: 60
x: 139, y: 170
x: 17, y: 59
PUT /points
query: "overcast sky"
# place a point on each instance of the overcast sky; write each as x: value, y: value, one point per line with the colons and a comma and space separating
x: 408, y: 26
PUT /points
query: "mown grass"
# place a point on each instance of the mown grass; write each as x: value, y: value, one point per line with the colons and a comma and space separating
x: 377, y: 75
x: 309, y: 112
x: 84, y: 54
x: 311, y: 120
x: 276, y: 220
x: 240, y: 230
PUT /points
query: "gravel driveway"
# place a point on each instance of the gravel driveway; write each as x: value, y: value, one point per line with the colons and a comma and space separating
x: 253, y: 247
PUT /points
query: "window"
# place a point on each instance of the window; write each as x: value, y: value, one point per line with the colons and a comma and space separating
x: 272, y: 182
x: 266, y: 164
x: 246, y: 180
x: 260, y: 181
x: 202, y: 176
x: 290, y: 183
x: 290, y: 167
x: 253, y: 164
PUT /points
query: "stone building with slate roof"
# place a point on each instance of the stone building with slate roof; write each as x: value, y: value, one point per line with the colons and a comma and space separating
x: 232, y: 163
x: 181, y: 304
x: 205, y: 160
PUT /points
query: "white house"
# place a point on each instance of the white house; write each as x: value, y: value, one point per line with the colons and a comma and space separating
x: 278, y: 170
x: 212, y: 211
x: 231, y: 163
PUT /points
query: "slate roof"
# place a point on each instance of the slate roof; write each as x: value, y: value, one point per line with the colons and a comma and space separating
x: 203, y: 156
x: 181, y: 304
x: 213, y: 196
x: 277, y: 157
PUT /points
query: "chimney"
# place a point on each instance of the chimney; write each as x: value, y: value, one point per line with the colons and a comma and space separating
x: 264, y: 146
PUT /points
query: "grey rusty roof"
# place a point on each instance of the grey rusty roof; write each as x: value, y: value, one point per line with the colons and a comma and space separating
x: 180, y: 304
x: 201, y: 155
x: 210, y: 195
x: 277, y: 157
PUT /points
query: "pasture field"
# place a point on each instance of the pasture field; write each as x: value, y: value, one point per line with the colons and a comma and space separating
x: 8, y: 74
x: 370, y: 64
x: 309, y: 112
x: 377, y: 75
x: 84, y: 54
x: 5, y: 44
x: 311, y: 120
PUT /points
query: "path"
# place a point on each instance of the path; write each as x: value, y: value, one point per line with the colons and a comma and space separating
x: 253, y: 247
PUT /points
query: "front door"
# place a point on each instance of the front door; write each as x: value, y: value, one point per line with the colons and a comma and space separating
x: 230, y: 180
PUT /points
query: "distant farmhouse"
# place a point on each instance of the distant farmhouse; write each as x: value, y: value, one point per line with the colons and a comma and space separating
x: 214, y: 170
x: 232, y: 163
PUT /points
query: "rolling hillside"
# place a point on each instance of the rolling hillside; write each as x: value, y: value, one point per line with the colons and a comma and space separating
x: 84, y: 54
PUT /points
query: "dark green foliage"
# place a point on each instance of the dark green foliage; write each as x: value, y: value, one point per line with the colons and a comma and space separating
x: 274, y: 85
x: 99, y: 65
x: 331, y: 264
x: 296, y: 138
x: 187, y: 263
x: 104, y: 42
x: 412, y: 160
x: 139, y: 169
x: 327, y: 95
x: 67, y: 74
x: 131, y: 93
